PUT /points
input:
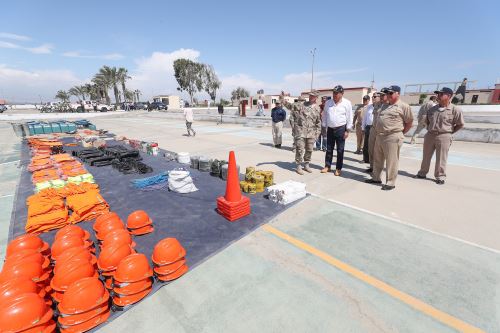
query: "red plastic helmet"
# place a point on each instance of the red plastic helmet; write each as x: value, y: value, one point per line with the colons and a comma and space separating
x: 72, y: 230
x: 125, y: 289
x: 71, y: 271
x: 168, y: 251
x: 138, y: 219
x: 111, y: 256
x: 169, y: 268
x: 104, y: 217
x: 142, y: 231
x: 133, y: 268
x: 26, y: 241
x: 125, y: 300
x: 175, y: 275
x: 118, y: 236
x: 18, y: 286
x: 65, y: 243
x: 28, y: 255
x: 82, y: 296
x: 23, y: 312
x: 108, y: 226
x: 76, y: 319
x: 32, y: 270
x: 86, y: 325
x: 73, y: 254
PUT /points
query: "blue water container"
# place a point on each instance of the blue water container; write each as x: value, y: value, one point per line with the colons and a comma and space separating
x: 55, y: 127
x: 47, y: 129
x: 71, y: 127
x: 64, y: 126
x: 92, y: 127
x: 37, y: 128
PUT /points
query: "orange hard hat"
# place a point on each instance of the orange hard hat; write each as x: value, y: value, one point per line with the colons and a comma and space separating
x: 111, y: 256
x: 70, y: 272
x: 175, y: 275
x: 48, y: 327
x: 138, y: 219
x: 104, y: 217
x: 108, y: 282
x: 17, y: 286
x: 62, y: 244
x: 23, y: 312
x: 28, y: 255
x: 57, y: 296
x: 82, y: 296
x: 75, y: 253
x: 72, y: 230
x: 26, y: 241
x: 118, y: 236
x: 133, y: 268
x: 169, y: 268
x: 108, y: 226
x: 86, y: 325
x: 125, y: 300
x: 76, y: 319
x: 168, y: 251
x: 142, y: 231
x: 32, y: 270
x: 132, y: 287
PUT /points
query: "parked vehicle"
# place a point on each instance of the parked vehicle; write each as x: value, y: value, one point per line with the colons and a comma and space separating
x: 2, y: 108
x: 140, y: 106
x: 158, y: 106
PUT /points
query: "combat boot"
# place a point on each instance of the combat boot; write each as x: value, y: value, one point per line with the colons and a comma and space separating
x: 307, y: 168
x: 299, y: 170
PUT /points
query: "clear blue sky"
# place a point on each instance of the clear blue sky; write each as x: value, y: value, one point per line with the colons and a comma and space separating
x: 259, y: 43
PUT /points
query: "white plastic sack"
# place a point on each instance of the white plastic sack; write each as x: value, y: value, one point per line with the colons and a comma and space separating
x: 180, y: 181
x: 287, y: 192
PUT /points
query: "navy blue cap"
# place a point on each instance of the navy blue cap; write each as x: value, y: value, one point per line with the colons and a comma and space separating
x: 394, y: 89
x: 338, y: 89
x: 444, y: 90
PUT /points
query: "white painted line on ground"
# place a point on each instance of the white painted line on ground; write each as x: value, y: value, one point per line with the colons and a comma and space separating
x: 482, y: 247
x: 10, y: 162
x: 7, y: 196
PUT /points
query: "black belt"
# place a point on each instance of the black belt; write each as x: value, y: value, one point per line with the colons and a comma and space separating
x: 334, y: 128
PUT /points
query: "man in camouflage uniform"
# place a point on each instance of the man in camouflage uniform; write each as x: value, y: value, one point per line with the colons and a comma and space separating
x: 306, y: 126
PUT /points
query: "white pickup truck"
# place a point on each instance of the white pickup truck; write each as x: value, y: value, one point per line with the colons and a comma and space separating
x: 89, y: 106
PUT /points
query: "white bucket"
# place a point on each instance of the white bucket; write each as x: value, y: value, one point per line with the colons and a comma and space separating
x: 183, y: 158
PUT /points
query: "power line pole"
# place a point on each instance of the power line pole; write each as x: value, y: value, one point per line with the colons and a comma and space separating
x: 313, y: 52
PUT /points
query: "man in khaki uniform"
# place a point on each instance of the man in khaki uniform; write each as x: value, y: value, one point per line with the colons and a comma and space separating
x: 358, y: 121
x: 422, y: 117
x: 393, y: 122
x: 306, y: 125
x: 443, y: 120
x: 379, y: 103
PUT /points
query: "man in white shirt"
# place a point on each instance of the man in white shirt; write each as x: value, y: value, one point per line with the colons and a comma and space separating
x: 188, y: 114
x: 366, y: 126
x: 337, y: 117
x: 260, y: 107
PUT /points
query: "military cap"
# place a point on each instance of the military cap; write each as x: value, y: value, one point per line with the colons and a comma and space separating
x: 338, y: 89
x: 394, y: 89
x: 444, y: 90
x: 313, y: 93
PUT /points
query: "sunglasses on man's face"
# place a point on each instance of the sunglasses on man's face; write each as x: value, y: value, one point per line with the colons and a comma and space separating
x: 390, y: 92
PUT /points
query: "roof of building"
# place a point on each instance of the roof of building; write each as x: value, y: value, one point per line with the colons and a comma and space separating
x: 331, y: 89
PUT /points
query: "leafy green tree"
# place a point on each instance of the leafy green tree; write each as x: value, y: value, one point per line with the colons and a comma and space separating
x: 188, y: 76
x: 210, y: 81
x: 78, y: 91
x: 239, y: 93
x: 102, y: 86
x: 122, y: 74
x: 63, y: 95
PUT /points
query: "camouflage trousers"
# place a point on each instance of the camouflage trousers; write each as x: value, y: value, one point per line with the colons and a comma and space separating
x: 303, y: 149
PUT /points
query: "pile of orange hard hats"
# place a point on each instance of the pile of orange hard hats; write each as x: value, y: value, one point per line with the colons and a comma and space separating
x: 169, y: 258
x: 26, y: 312
x: 139, y: 223
x: 72, y: 252
x: 83, y: 306
x: 132, y: 280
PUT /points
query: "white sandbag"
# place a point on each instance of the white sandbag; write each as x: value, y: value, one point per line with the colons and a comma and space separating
x: 180, y: 181
x: 183, y: 157
x: 287, y: 192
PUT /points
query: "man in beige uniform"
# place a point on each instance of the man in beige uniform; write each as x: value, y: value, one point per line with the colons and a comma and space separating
x: 379, y: 103
x: 422, y: 117
x: 443, y: 120
x: 393, y: 122
x: 357, y: 122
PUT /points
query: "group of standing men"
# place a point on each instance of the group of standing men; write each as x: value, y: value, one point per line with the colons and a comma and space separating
x: 380, y: 129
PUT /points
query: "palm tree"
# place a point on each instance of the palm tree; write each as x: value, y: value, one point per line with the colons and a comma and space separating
x: 137, y: 93
x: 78, y: 91
x: 102, y: 86
x: 110, y: 76
x: 122, y: 76
x: 63, y: 96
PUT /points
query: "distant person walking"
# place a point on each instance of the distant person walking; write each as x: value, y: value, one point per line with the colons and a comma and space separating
x: 188, y: 114
x: 358, y: 122
x: 220, y: 110
x: 422, y: 116
x: 366, y: 126
x: 393, y: 122
x: 260, y: 107
x: 462, y: 90
x: 443, y: 120
x: 337, y: 117
x: 278, y: 115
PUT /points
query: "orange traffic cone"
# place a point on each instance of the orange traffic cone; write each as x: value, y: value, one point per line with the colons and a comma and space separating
x: 233, y: 205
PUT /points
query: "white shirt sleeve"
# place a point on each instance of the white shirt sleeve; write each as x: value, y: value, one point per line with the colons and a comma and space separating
x: 349, y: 116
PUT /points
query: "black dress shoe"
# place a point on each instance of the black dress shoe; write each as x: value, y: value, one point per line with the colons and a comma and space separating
x: 369, y: 170
x: 371, y: 181
x: 417, y: 176
x: 440, y: 181
x: 388, y: 187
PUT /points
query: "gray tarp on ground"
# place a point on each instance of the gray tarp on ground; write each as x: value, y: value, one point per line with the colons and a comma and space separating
x: 191, y: 218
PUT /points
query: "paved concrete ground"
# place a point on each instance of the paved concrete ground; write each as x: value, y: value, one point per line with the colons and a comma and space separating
x: 350, y: 258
